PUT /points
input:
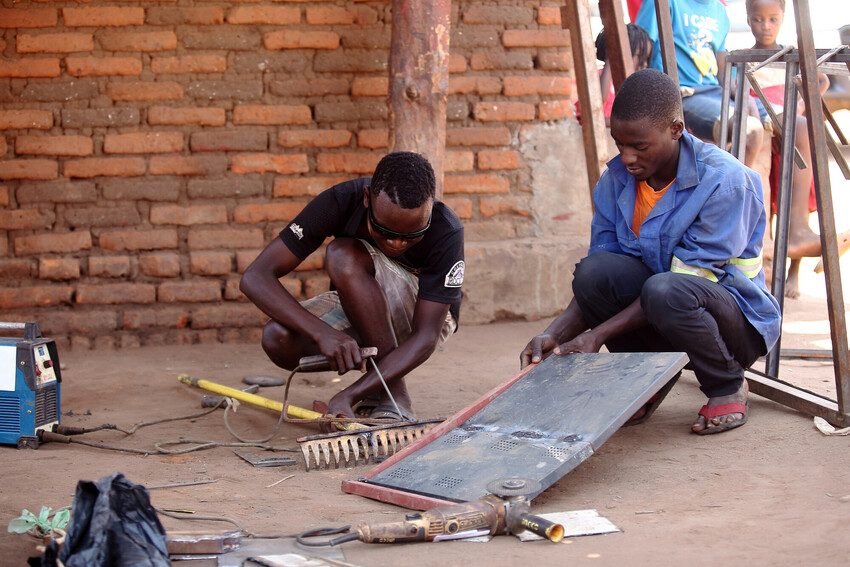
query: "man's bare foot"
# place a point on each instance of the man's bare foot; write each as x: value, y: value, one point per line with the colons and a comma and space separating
x: 792, y: 281
x: 843, y: 246
x: 722, y: 422
x: 803, y: 243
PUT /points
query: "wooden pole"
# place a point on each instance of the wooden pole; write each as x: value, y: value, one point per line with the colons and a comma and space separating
x: 419, y: 79
x: 617, y: 46
x: 575, y: 17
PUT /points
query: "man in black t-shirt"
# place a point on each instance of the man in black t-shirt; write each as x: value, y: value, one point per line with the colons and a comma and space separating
x: 396, y: 268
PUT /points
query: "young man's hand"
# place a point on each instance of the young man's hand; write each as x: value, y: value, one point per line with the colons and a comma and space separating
x: 537, y: 349
x: 340, y: 406
x: 342, y: 351
x: 585, y: 342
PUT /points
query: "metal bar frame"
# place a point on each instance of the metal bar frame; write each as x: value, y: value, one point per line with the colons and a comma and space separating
x: 665, y: 38
x: 617, y: 46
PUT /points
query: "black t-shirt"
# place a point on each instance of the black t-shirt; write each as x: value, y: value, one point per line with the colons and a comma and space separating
x: 437, y: 259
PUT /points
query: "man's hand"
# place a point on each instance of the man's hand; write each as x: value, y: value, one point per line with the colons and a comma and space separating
x: 342, y: 351
x: 585, y: 342
x: 537, y: 349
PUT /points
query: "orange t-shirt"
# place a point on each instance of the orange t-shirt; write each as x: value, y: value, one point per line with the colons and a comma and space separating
x: 645, y: 199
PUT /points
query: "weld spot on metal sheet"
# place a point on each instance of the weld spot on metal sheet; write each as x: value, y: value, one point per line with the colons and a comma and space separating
x: 400, y: 473
x: 448, y: 482
x: 527, y: 434
x: 471, y: 427
x: 573, y: 438
x: 505, y: 445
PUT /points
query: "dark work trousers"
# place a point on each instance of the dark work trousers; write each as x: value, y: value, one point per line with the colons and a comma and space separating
x: 685, y: 313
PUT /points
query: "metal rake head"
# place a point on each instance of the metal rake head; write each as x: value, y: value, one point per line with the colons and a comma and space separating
x: 349, y: 449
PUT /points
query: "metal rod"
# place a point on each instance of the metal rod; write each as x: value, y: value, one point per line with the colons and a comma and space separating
x: 617, y: 48
x: 783, y: 206
x: 726, y: 97
x: 826, y: 213
x: 665, y: 38
x: 828, y: 55
x: 386, y: 388
x: 772, y: 58
x: 777, y: 126
x: 759, y: 55
x: 739, y: 130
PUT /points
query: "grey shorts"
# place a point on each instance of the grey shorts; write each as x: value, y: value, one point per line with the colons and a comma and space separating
x: 400, y: 288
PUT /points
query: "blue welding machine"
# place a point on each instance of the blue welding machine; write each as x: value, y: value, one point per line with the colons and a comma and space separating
x: 29, y: 385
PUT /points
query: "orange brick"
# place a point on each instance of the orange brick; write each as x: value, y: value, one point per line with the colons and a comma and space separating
x: 210, y: 263
x: 188, y: 165
x: 462, y: 206
x: 185, y: 216
x: 313, y: 138
x: 503, y: 111
x: 224, y: 238
x: 111, y: 166
x: 54, y: 145
x: 271, y: 15
x: 348, y: 162
x: 172, y: 317
x: 478, y: 137
x: 3, y: 147
x: 23, y: 68
x: 555, y: 110
x: 272, y: 115
x: 138, y: 41
x: 103, y: 66
x: 459, y: 161
x: 111, y: 294
x: 37, y: 296
x: 4, y: 196
x: 476, y: 184
x: 28, y: 18
x: 376, y: 138
x: 523, y: 86
x: 190, y: 64
x: 536, y: 38
x: 330, y: 16
x: 549, y: 16
x: 457, y: 63
x: 304, y: 186
x: 58, y: 269
x: 181, y: 116
x: 498, y: 159
x: 29, y: 169
x: 26, y: 219
x: 559, y: 61
x: 144, y: 90
x: 109, y: 266
x: 262, y: 163
x: 25, y: 119
x: 232, y: 315
x: 143, y: 143
x: 301, y: 40
x: 244, y: 259
x: 103, y: 17
x: 53, y: 243
x: 476, y: 85
x: 55, y: 42
x: 497, y: 15
x: 263, y: 212
x: 370, y: 86
x: 503, y: 205
x: 175, y: 16
x: 160, y: 265
x: 157, y: 239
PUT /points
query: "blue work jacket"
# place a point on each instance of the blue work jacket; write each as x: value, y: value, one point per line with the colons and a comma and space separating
x: 709, y: 223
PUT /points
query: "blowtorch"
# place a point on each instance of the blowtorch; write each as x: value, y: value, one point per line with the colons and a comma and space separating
x: 504, y: 511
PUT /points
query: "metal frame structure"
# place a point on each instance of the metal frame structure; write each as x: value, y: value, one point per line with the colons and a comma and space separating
x: 576, y: 18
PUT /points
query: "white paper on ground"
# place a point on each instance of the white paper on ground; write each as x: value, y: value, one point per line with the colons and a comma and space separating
x: 576, y: 523
x: 827, y: 429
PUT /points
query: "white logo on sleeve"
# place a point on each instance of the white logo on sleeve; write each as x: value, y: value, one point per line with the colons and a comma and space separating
x: 299, y: 232
x: 455, y: 276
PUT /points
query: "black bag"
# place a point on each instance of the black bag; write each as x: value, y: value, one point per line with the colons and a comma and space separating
x: 112, y: 525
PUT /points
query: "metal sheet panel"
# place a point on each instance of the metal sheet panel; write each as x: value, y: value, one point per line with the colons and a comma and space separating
x: 541, y: 427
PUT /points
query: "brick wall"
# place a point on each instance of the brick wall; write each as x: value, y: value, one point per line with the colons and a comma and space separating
x: 149, y: 150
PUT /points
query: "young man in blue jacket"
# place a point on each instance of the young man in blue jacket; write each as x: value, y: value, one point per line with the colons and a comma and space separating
x: 674, y: 262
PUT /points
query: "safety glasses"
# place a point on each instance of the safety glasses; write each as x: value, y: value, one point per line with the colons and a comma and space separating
x: 392, y: 234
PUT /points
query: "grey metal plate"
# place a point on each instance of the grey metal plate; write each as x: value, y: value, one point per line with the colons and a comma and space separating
x: 541, y: 427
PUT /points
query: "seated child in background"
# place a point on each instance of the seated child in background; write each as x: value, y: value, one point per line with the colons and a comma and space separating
x: 765, y: 19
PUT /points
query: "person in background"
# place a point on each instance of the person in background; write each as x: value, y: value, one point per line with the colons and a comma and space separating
x: 700, y: 28
x: 765, y: 18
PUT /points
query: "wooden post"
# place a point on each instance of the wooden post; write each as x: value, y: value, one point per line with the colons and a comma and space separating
x: 575, y: 17
x: 419, y: 79
x: 617, y: 45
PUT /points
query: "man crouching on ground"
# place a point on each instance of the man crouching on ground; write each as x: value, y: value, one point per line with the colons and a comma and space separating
x: 396, y: 268
x: 674, y: 262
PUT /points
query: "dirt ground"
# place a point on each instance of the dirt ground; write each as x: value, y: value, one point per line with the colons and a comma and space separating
x: 775, y: 490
